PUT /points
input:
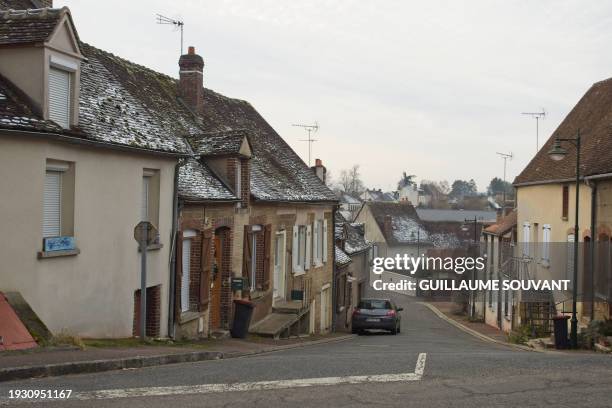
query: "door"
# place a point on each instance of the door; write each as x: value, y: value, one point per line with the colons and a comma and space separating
x: 186, y: 278
x: 324, y: 310
x: 279, y: 266
x: 215, y: 285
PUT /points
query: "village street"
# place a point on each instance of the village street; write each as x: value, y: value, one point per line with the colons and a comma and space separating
x: 459, y: 371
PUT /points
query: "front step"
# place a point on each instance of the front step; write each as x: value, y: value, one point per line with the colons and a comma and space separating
x: 288, y: 306
x: 276, y: 324
x: 220, y: 334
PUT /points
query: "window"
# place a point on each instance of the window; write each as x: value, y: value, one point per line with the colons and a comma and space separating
x: 149, y: 206
x: 253, y: 275
x: 239, y: 179
x: 301, y: 249
x: 256, y: 256
x: 59, y: 96
x: 546, y: 243
x: 58, y: 199
x: 570, y: 260
x: 320, y: 242
x: 526, y: 238
x: 565, y: 202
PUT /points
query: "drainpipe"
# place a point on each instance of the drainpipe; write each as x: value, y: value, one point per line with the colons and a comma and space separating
x: 172, y: 290
x: 593, y: 243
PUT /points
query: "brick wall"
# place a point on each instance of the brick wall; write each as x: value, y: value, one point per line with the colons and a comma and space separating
x: 153, y: 312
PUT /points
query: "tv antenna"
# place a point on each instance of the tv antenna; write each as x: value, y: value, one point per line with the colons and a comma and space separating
x: 505, y: 156
x: 178, y: 25
x: 310, y: 129
x: 537, y: 116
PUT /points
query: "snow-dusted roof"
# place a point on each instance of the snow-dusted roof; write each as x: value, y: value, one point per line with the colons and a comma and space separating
x: 355, y: 241
x: 197, y: 183
x: 342, y: 259
x: 221, y: 143
x: 406, y: 226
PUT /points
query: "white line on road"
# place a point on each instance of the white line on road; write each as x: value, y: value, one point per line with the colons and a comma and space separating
x: 248, y: 386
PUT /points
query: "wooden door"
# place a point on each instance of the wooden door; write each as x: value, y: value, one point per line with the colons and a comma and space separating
x: 215, y: 290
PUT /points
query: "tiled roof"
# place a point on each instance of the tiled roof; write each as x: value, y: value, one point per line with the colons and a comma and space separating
x: 28, y: 26
x: 197, y: 183
x: 16, y: 112
x: 355, y: 241
x: 593, y: 116
x: 277, y: 172
x: 406, y: 227
x: 219, y: 143
x: 342, y: 259
x: 503, y: 226
x: 18, y: 4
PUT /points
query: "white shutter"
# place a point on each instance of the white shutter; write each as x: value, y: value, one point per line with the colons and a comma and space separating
x: 324, y: 241
x: 59, y: 97
x: 546, y: 245
x: 295, y: 249
x: 308, y: 257
x: 144, y: 209
x: 238, y: 179
x: 185, y: 279
x: 52, y: 204
x: 526, y: 238
x: 317, y: 243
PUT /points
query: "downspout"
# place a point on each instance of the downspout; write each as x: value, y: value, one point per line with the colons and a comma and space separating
x: 593, y: 243
x: 173, y: 234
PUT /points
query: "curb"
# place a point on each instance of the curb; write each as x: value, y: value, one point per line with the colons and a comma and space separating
x: 474, y: 333
x: 97, y: 366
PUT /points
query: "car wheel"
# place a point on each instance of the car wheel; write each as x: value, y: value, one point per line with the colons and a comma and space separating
x: 394, y: 331
x: 399, y: 329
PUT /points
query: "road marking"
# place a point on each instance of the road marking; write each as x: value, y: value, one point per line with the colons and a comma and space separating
x: 246, y: 386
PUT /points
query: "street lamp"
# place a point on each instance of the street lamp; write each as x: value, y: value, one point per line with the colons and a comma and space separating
x: 465, y: 228
x: 558, y: 153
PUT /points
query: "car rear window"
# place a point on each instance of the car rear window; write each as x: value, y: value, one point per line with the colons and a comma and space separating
x: 374, y: 304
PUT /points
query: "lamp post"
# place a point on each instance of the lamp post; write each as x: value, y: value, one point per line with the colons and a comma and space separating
x: 465, y: 228
x: 558, y: 153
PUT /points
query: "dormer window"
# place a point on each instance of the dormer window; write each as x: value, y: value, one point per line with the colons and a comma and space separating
x: 62, y: 84
x: 59, y: 96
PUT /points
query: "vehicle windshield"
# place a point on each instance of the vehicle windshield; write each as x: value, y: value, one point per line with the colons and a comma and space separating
x: 374, y: 304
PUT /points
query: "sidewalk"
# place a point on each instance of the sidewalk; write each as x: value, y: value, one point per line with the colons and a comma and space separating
x: 476, y: 329
x: 61, y: 361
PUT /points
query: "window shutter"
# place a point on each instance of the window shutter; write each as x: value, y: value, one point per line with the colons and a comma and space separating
x: 267, y: 248
x: 565, y: 202
x: 186, y: 278
x: 206, y: 261
x: 308, y: 257
x: 52, y: 204
x: 324, y: 241
x: 295, y: 249
x: 246, y: 254
x: 59, y: 97
x: 526, y: 238
x: 144, y: 209
x: 179, y: 273
x: 316, y: 252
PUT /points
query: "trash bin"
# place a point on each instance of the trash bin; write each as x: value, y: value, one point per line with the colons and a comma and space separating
x: 243, y: 310
x: 561, y: 340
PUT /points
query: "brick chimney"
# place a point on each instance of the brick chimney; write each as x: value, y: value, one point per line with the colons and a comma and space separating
x: 319, y: 170
x: 388, y: 226
x: 191, y: 80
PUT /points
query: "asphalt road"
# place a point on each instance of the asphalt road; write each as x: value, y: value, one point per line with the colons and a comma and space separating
x: 459, y: 371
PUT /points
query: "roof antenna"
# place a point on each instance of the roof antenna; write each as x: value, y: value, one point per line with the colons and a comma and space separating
x: 505, y: 156
x: 310, y: 129
x: 178, y: 24
x: 537, y: 116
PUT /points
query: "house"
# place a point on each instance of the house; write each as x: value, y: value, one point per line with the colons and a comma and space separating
x: 408, y: 191
x: 545, y: 203
x: 349, y: 205
x: 378, y: 195
x: 500, y: 308
x: 353, y: 257
x: 239, y: 214
x: 394, y: 228
x: 84, y: 158
x: 455, y: 228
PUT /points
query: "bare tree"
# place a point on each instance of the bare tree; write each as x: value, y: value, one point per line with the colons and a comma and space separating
x: 350, y: 181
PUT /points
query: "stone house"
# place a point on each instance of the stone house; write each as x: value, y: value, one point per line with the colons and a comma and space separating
x: 545, y: 203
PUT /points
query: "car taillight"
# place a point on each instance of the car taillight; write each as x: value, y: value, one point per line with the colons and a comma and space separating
x: 391, y: 313
x: 356, y: 312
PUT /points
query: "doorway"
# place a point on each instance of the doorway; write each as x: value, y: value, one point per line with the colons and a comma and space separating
x: 215, y: 283
x: 325, y: 309
x: 279, y: 265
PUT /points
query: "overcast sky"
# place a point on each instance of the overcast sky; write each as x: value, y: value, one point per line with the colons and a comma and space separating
x: 433, y: 88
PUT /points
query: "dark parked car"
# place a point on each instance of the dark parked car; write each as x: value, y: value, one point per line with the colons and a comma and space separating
x: 376, y: 314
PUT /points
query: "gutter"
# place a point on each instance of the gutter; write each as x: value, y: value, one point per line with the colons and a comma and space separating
x: 94, y: 143
x: 569, y: 180
x: 592, y: 249
x: 334, y: 269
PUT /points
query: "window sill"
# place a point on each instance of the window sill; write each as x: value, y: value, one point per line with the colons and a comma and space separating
x: 153, y: 247
x: 57, y: 254
x: 299, y: 272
